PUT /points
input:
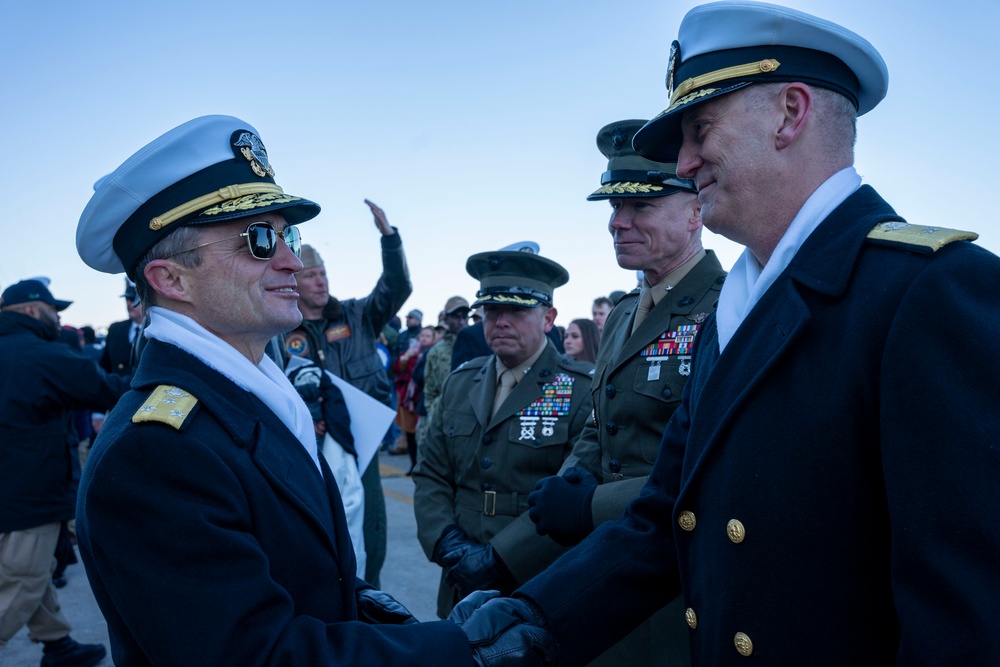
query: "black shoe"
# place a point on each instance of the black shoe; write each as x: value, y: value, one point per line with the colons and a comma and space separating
x: 58, y: 580
x: 67, y: 652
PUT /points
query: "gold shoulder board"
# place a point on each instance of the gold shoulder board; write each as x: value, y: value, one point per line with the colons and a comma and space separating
x: 933, y: 238
x: 167, y: 405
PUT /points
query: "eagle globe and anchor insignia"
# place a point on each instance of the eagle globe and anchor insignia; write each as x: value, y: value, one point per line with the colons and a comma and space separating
x: 249, y: 145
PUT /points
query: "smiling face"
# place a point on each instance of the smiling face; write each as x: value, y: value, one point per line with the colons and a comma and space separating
x: 243, y: 300
x: 655, y: 234
x: 725, y: 151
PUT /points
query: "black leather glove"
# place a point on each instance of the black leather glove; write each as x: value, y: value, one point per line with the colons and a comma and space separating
x: 560, y: 506
x: 479, y: 569
x: 504, y: 631
x: 377, y: 607
x: 461, y: 612
x: 451, y: 546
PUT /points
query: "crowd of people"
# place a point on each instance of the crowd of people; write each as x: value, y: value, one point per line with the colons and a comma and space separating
x: 695, y: 474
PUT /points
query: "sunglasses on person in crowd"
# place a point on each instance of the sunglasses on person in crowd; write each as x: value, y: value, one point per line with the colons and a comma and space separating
x: 262, y: 238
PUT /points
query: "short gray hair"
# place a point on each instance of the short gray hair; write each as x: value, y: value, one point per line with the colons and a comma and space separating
x: 178, y: 247
x: 836, y: 117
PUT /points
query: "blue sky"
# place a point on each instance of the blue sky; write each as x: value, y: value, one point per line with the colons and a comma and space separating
x: 472, y: 124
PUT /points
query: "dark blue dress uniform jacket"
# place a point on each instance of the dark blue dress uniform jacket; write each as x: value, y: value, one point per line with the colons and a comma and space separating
x: 219, y: 543
x: 828, y: 491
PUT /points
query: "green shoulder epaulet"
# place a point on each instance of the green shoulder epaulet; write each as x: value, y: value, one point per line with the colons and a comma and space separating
x: 579, y: 367
x: 476, y: 363
x: 924, y: 238
x: 167, y: 405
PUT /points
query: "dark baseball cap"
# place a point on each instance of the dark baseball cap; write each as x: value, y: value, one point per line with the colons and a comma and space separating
x: 31, y: 290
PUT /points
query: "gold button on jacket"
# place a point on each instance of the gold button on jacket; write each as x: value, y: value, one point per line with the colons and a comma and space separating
x: 737, y: 533
x: 743, y: 644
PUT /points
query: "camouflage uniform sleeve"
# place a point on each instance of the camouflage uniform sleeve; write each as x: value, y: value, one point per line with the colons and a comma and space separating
x: 436, y: 371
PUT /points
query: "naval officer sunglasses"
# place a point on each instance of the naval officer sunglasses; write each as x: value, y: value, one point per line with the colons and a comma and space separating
x: 262, y: 238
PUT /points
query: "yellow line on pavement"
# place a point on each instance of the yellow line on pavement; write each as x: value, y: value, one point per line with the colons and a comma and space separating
x: 386, y: 470
x: 398, y: 496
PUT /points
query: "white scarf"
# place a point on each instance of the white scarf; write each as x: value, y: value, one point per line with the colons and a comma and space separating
x: 747, y: 281
x: 265, y: 380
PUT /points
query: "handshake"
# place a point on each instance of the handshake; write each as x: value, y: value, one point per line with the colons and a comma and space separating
x: 511, y: 631
x: 504, y: 631
x: 501, y: 631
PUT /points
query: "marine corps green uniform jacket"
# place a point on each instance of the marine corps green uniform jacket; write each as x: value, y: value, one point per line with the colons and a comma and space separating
x: 476, y: 471
x: 637, y: 386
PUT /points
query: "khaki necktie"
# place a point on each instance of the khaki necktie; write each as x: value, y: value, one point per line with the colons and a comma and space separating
x: 645, y: 305
x: 504, y: 387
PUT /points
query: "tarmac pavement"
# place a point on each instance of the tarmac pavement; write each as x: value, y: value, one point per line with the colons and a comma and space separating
x: 407, y: 575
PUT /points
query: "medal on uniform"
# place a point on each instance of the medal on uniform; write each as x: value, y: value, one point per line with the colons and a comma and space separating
x: 553, y: 404
x: 677, y: 343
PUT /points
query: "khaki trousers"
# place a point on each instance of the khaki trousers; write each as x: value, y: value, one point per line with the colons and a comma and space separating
x: 27, y: 596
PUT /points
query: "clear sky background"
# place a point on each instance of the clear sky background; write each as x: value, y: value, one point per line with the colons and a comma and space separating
x: 471, y: 123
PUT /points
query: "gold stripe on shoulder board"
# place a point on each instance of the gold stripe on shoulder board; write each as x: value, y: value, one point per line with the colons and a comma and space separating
x: 934, y: 238
x: 167, y: 405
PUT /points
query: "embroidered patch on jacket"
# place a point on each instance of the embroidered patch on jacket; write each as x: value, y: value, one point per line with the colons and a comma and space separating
x: 167, y: 405
x: 672, y: 342
x: 297, y: 344
x: 339, y: 332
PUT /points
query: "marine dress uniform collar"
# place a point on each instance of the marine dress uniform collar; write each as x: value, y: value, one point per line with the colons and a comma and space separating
x: 518, y: 373
x: 701, y: 278
x: 669, y: 281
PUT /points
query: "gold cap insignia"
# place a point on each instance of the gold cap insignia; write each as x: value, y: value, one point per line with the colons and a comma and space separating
x: 252, y: 148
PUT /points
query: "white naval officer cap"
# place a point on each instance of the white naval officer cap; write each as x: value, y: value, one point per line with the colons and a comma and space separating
x: 522, y: 246
x: 208, y: 170
x: 724, y: 46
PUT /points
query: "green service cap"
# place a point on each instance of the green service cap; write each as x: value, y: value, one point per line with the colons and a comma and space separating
x: 513, y: 278
x: 629, y: 174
